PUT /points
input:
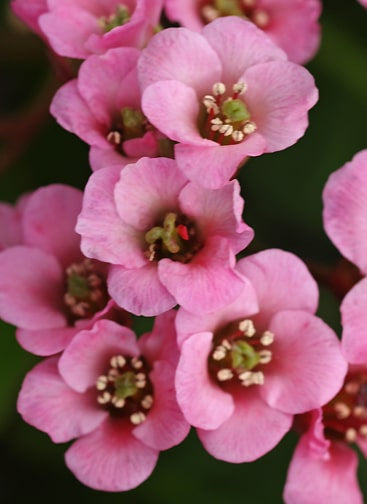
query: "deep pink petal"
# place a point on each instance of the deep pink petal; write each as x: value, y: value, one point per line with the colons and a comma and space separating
x: 308, y: 368
x: 253, y: 430
x: 354, y: 320
x: 146, y: 146
x: 29, y: 12
x: 345, y: 209
x: 48, y: 404
x: 88, y: 355
x: 161, y: 342
x: 102, y: 158
x: 49, y: 222
x: 31, y: 288
x: 182, y: 55
x: 46, y: 341
x: 165, y: 425
x: 147, y: 190
x: 202, y: 401
x: 10, y: 226
x: 139, y: 291
x: 208, y: 282
x: 282, y: 282
x: 111, y: 458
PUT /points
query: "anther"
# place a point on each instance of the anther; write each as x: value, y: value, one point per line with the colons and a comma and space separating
x: 341, y: 410
x: 219, y: 88
x: 351, y: 387
x: 118, y: 402
x: 350, y: 435
x: 219, y: 353
x: 101, y: 383
x: 114, y: 137
x: 363, y: 430
x: 248, y: 3
x: 267, y: 338
x: 247, y: 327
x: 226, y: 344
x: 209, y: 13
x: 104, y: 398
x: 137, y: 418
x: 147, y: 402
x: 265, y: 356
x: 258, y: 378
x: 136, y: 363
x: 249, y: 128
x: 260, y: 18
x: 238, y: 136
x: 113, y: 374
x: 226, y: 129
x: 359, y: 411
x: 224, y: 374
x: 118, y: 361
x: 239, y: 88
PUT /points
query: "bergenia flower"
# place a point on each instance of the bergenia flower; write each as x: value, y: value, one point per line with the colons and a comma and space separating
x: 246, y: 369
x: 77, y: 29
x: 291, y: 24
x: 170, y: 241
x: 103, y: 107
x: 116, y: 395
x: 223, y: 95
x: 48, y: 289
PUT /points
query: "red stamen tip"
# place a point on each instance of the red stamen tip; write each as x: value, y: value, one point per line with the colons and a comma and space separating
x: 183, y: 232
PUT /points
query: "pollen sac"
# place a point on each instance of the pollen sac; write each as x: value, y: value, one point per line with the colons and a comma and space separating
x: 246, y: 9
x: 117, y: 18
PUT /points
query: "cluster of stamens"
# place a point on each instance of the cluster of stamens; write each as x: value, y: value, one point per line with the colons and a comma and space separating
x: 176, y: 239
x: 240, y: 354
x: 86, y: 289
x: 126, y: 389
x: 246, y: 9
x: 130, y: 123
x: 117, y: 18
x: 345, y: 417
x: 227, y: 121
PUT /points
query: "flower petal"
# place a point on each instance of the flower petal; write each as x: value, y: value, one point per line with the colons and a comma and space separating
x: 354, y: 320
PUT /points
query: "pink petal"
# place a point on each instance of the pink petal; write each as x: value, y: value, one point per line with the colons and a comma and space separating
x: 185, y: 12
x: 202, y: 401
x: 240, y: 45
x: 88, y: 355
x: 148, y: 189
x: 139, y: 291
x: 102, y: 158
x: 48, y: 404
x: 31, y: 288
x: 279, y: 96
x: 160, y: 343
x: 29, y: 12
x: 205, y: 284
x: 181, y: 55
x: 10, y: 226
x: 354, y: 320
x: 146, y: 146
x: 73, y: 113
x: 46, y: 341
x: 111, y: 458
x: 218, y: 212
x: 213, y: 166
x: 308, y: 368
x: 49, y: 222
x: 104, y: 236
x: 282, y: 282
x: 313, y: 479
x: 253, y: 430
x: 345, y: 204
x: 165, y: 425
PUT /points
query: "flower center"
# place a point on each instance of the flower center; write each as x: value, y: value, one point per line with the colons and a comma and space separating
x: 86, y: 289
x: 345, y: 417
x: 130, y: 123
x: 176, y: 238
x: 117, y: 18
x: 246, y: 9
x: 226, y: 121
x: 239, y: 354
x: 126, y: 390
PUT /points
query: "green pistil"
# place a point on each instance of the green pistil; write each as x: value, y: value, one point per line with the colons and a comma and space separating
x: 228, y: 7
x: 168, y: 234
x: 244, y: 356
x: 125, y: 385
x: 133, y: 123
x: 120, y: 17
x: 235, y: 111
x: 78, y: 286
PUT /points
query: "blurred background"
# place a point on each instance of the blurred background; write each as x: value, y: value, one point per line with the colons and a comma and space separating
x: 283, y: 204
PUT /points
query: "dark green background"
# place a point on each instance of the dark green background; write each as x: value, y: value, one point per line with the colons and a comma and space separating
x: 283, y: 204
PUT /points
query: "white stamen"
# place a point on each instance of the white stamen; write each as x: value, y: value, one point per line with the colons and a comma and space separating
x: 351, y: 388
x: 341, y: 410
x: 216, y: 120
x: 248, y: 3
x: 101, y: 382
x: 267, y: 338
x: 113, y: 374
x: 265, y: 356
x: 118, y: 361
x: 118, y: 402
x: 249, y: 128
x: 219, y: 353
x: 114, y: 137
x: 359, y: 411
x: 247, y: 327
x: 363, y: 430
x: 226, y: 344
x: 140, y: 380
x: 147, y: 402
x: 209, y: 13
x: 350, y: 435
x: 258, y: 378
x: 104, y: 398
x: 219, y: 88
x: 246, y: 378
x: 238, y: 136
x: 136, y: 363
x: 260, y: 18
x: 239, y: 87
x: 137, y: 418
x: 226, y: 129
x: 224, y: 374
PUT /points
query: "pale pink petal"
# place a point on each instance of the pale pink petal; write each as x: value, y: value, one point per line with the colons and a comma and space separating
x: 46, y: 341
x: 345, y: 209
x: 139, y: 291
x: 88, y: 355
x: 279, y: 96
x: 282, y: 282
x: 202, y: 401
x: 10, y: 226
x: 29, y: 12
x: 313, y: 479
x: 165, y: 425
x: 102, y: 158
x: 307, y: 369
x: 72, y: 113
x: 208, y: 282
x: 354, y: 320
x: 146, y: 146
x: 160, y: 343
x: 111, y: 458
x: 182, y: 55
x: 213, y: 166
x: 104, y: 235
x: 48, y: 404
x: 217, y: 212
x: 146, y: 190
x: 49, y: 222
x: 253, y: 430
x: 240, y: 45
x: 31, y: 288
x: 185, y: 12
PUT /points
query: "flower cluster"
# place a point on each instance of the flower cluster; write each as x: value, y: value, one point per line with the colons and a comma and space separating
x: 171, y: 114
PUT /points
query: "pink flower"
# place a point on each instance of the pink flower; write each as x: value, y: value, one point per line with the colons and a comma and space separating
x: 291, y: 24
x: 246, y: 369
x: 363, y: 2
x: 102, y: 106
x: 10, y: 223
x: 29, y: 12
x: 223, y: 95
x: 76, y: 28
x: 170, y: 240
x: 48, y: 289
x: 115, y: 394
